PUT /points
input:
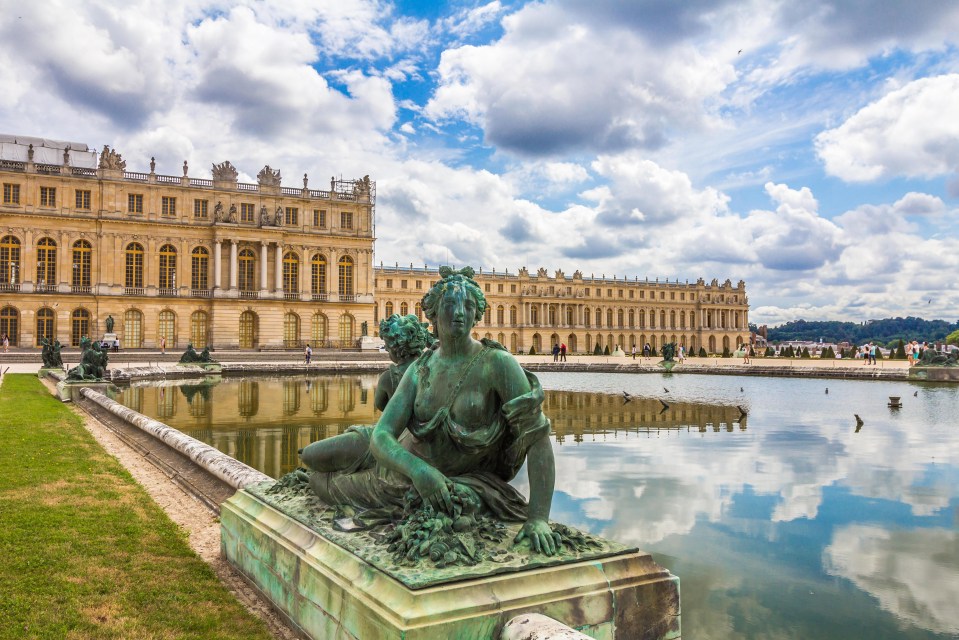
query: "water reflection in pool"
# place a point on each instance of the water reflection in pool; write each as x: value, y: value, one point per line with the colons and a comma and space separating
x: 786, y: 522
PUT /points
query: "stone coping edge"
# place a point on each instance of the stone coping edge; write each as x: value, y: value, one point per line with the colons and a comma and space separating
x: 231, y: 471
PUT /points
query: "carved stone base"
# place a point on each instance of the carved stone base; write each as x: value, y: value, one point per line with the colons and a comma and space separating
x: 328, y: 592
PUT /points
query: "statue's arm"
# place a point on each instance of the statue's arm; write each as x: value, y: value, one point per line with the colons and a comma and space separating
x: 541, y: 467
x: 430, y: 483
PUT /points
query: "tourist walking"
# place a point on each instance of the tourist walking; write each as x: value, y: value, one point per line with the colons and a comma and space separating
x: 555, y: 352
x: 872, y: 353
x: 162, y: 345
x: 745, y: 348
x: 308, y: 353
x: 562, y: 352
x: 6, y: 342
x: 682, y: 354
x: 634, y: 352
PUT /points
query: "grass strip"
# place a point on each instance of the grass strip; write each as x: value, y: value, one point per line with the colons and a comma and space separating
x: 84, y: 551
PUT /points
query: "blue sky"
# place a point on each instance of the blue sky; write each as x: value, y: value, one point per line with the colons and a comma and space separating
x: 811, y: 149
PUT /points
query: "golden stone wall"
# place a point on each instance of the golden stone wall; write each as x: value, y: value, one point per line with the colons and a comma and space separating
x: 537, y: 310
x: 49, y: 212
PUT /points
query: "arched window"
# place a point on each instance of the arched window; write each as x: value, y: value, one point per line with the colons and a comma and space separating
x: 291, y: 397
x: 672, y: 319
x: 537, y: 343
x: 166, y: 328
x: 609, y: 317
x: 346, y: 290
x: 501, y: 338
x: 318, y: 330
x: 291, y: 330
x: 551, y: 315
x: 10, y: 324
x: 620, y: 317
x: 512, y: 316
x: 9, y: 261
x: 248, y: 398
x: 46, y: 327
x: 404, y: 309
x: 569, y: 316
x: 488, y: 315
x: 46, y: 263
x: 248, y: 330
x: 662, y: 319
x: 389, y: 309
x: 500, y: 312
x: 246, y: 271
x: 642, y: 318
x: 291, y: 274
x: 513, y: 342
x: 167, y: 267
x: 200, y: 263
x: 318, y: 276
x: 82, y: 265
x: 133, y: 278
x: 632, y: 319
x: 199, y: 329
x: 346, y: 330
x: 587, y: 317
x: 534, y: 315
x: 79, y: 326
x: 132, y: 329
x: 418, y: 310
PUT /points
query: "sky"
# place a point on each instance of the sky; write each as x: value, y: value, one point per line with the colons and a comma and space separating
x: 809, y: 148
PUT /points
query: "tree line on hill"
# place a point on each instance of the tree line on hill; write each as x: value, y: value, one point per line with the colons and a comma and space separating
x: 886, y: 332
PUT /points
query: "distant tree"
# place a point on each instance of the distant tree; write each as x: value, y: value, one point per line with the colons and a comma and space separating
x: 770, y: 352
x: 702, y: 352
x: 953, y: 338
x: 652, y: 351
x: 789, y: 352
x: 532, y: 351
x: 878, y: 353
x: 805, y: 353
x: 726, y: 353
x: 901, y: 351
x: 606, y: 350
x: 598, y: 350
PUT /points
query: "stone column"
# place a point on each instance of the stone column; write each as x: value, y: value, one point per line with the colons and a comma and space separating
x: 278, y: 275
x: 234, y: 265
x: 334, y: 277
x: 264, y: 250
x: 305, y: 273
x: 217, y: 265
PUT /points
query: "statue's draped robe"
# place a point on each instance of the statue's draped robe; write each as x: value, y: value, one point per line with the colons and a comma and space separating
x: 486, y: 458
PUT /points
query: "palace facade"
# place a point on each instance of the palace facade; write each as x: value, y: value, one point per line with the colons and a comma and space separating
x: 537, y: 310
x: 261, y: 266
x: 213, y: 262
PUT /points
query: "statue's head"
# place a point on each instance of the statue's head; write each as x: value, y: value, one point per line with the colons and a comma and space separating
x: 405, y: 336
x: 84, y: 343
x: 451, y: 279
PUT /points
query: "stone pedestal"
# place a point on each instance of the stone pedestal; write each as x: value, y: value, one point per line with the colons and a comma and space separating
x: 330, y: 593
x: 67, y: 391
x: 369, y: 343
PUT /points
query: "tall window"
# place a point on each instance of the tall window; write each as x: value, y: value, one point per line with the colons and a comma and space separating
x: 291, y: 330
x: 48, y: 196
x: 346, y: 219
x: 318, y: 276
x: 319, y: 217
x: 248, y: 330
x: 419, y: 312
x: 292, y: 216
x: 291, y: 273
x: 500, y: 315
x: 166, y: 328
x: 82, y: 264
x: 47, y: 262
x: 246, y: 274
x: 199, y: 329
x: 11, y: 193
x: 79, y: 326
x: 346, y: 330
x: 45, y: 324
x: 404, y: 309
x: 168, y: 206
x: 389, y: 309
x: 201, y: 208
x: 346, y: 276
x: 132, y: 329
x: 134, y: 266
x: 168, y: 267
x: 318, y: 329
x: 10, y: 324
x: 83, y: 199
x: 135, y: 203
x: 247, y: 212
x: 200, y: 274
x: 9, y: 260
x: 512, y: 315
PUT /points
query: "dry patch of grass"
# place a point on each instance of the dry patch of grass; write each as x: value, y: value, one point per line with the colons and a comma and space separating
x: 86, y: 553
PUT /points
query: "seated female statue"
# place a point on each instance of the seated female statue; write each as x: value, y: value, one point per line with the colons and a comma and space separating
x: 463, y: 420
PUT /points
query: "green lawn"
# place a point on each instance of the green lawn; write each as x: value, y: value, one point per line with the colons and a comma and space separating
x: 84, y: 551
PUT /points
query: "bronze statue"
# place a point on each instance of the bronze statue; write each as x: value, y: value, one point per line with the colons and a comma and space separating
x: 109, y: 323
x: 462, y: 422
x: 405, y: 338
x: 93, y: 362
x: 50, y: 352
x: 190, y: 356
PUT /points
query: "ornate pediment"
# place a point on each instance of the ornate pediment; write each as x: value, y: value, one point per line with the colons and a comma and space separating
x: 267, y: 177
x: 225, y: 171
x: 110, y: 159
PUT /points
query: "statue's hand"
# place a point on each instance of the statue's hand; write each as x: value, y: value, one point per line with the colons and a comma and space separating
x: 433, y: 487
x: 541, y: 537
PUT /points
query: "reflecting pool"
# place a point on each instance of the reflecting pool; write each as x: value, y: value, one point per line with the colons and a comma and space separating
x: 787, y: 521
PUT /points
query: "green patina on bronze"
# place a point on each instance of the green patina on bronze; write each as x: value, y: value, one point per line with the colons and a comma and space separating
x: 50, y: 352
x: 669, y: 355
x: 93, y: 363
x: 433, y: 474
x: 405, y: 338
x: 423, y: 548
x: 190, y: 356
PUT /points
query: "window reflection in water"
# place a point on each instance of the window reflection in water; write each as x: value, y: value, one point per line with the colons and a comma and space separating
x: 248, y: 398
x: 291, y: 397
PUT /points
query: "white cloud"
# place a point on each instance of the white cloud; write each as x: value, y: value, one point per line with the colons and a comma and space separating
x: 908, y: 132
